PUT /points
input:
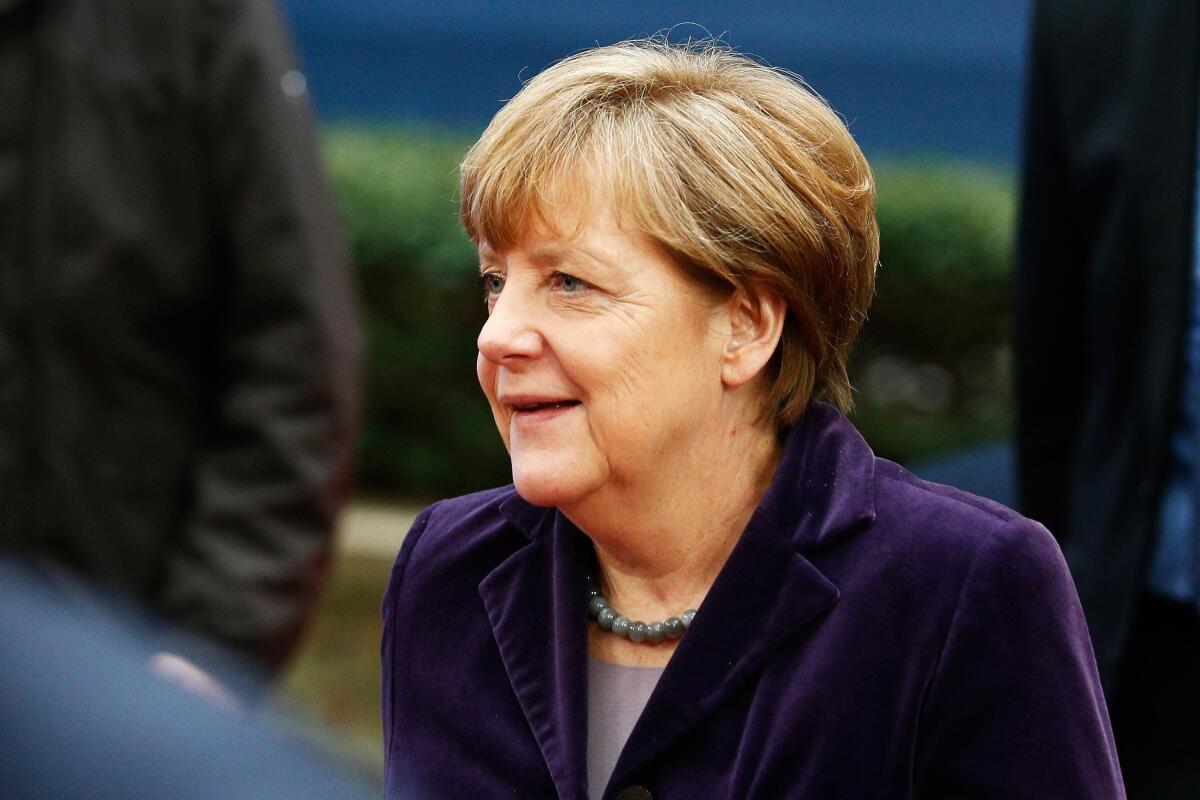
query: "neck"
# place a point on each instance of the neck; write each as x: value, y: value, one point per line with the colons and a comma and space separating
x: 661, y: 541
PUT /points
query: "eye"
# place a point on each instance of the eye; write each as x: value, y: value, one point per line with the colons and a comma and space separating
x: 492, y: 284
x: 568, y: 283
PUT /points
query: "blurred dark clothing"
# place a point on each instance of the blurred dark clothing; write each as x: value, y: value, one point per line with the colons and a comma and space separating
x: 178, y: 349
x: 1158, y: 693
x: 1105, y: 289
x: 1104, y: 281
x: 86, y: 719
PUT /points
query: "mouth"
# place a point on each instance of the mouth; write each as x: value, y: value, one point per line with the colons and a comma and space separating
x: 535, y: 410
x: 527, y: 408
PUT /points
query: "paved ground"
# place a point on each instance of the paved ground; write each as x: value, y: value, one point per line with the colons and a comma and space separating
x: 375, y: 529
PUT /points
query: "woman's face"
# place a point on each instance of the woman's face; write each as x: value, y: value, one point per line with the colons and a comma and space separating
x: 601, y: 360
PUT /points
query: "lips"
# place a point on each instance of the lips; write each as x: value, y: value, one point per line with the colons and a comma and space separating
x: 544, y: 406
x: 529, y: 409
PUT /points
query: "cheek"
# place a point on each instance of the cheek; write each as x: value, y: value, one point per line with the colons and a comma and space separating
x: 628, y: 382
x: 607, y: 369
x: 485, y: 371
x: 635, y: 368
x: 676, y: 376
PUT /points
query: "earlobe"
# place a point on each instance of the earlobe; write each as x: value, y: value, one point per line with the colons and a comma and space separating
x: 756, y: 325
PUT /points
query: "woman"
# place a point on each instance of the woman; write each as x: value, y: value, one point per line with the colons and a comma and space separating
x: 702, y: 583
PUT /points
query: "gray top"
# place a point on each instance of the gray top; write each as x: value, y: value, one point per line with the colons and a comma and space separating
x: 616, y: 696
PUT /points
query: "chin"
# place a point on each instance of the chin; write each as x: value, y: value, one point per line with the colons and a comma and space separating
x: 547, y: 486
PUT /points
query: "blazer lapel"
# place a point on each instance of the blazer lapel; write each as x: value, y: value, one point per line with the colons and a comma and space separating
x: 768, y: 591
x: 535, y: 601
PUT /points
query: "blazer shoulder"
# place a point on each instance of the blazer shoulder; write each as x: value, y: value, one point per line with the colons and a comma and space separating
x: 954, y: 521
x: 897, y: 480
x: 972, y: 557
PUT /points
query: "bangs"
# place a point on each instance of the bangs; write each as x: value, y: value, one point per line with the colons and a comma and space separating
x: 623, y: 158
x: 520, y: 173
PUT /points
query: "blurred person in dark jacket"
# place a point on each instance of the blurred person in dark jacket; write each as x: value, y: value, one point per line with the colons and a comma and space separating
x: 1108, y: 345
x: 90, y: 720
x: 177, y: 339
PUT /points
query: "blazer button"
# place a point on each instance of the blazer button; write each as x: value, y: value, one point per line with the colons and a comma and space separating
x: 634, y: 793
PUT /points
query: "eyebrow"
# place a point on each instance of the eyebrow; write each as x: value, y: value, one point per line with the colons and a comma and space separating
x: 551, y: 255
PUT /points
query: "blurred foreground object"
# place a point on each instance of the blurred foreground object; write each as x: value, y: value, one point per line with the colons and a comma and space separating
x: 86, y: 717
x: 178, y: 355
x: 1108, y: 346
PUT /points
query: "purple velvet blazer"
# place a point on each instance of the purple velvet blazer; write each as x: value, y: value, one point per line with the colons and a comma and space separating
x: 871, y: 636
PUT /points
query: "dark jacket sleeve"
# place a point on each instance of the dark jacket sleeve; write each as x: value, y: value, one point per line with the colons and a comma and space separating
x: 274, y: 466
x: 1015, y: 708
x: 1049, y: 338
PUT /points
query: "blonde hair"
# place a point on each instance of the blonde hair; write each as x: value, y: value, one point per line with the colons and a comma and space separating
x: 739, y: 171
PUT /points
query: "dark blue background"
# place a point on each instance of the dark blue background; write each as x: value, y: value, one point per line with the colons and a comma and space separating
x: 943, y: 76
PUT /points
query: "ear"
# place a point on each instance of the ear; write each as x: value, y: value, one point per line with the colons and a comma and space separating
x: 755, y: 327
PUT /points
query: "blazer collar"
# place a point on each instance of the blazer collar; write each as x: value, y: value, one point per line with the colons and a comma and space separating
x: 824, y: 487
x: 766, y: 592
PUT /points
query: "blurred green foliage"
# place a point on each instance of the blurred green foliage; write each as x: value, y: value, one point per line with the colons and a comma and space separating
x: 931, y: 367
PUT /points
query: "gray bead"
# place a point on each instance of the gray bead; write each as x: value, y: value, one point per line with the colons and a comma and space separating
x: 606, y: 618
x: 674, y: 627
x: 596, y: 605
x: 637, y: 632
x: 687, y: 617
x: 621, y: 625
x: 655, y: 631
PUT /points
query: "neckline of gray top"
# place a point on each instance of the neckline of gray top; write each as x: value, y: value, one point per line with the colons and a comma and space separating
x: 617, y: 694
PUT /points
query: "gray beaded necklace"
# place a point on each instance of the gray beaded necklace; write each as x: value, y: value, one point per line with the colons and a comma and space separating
x: 610, y: 619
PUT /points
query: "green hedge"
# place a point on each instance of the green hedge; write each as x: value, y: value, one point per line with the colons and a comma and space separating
x: 931, y: 367
x: 933, y: 364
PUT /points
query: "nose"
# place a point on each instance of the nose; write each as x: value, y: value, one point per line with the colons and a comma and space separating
x: 509, y: 335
